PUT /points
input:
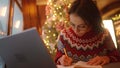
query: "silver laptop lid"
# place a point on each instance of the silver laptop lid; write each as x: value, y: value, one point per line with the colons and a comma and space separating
x: 25, y: 50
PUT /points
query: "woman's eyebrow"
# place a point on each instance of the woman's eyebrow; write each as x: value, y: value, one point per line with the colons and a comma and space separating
x: 78, y: 25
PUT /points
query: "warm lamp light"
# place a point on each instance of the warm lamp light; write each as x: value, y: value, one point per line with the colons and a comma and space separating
x: 109, y: 25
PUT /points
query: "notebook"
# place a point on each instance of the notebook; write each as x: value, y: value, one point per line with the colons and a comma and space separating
x: 80, y: 64
x: 25, y: 50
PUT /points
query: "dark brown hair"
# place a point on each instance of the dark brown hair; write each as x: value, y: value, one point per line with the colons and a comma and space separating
x: 89, y: 12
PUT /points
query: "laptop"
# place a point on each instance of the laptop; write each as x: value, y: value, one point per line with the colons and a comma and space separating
x: 25, y: 50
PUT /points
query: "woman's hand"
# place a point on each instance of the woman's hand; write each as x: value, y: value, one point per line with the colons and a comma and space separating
x: 99, y: 60
x: 65, y: 60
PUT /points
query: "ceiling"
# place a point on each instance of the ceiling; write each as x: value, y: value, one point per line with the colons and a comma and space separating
x: 108, y: 8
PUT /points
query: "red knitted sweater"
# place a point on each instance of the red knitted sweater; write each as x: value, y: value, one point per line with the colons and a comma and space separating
x: 86, y: 47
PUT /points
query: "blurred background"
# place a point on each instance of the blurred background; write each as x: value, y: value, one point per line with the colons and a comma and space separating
x: 45, y: 15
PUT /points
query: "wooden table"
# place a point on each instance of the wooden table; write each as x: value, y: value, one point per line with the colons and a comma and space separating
x: 112, y: 65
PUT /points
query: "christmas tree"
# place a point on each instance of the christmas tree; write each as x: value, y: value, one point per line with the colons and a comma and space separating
x: 57, y: 18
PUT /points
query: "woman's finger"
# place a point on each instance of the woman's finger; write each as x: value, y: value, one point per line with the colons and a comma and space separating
x: 91, y: 62
x: 98, y: 62
x: 103, y: 63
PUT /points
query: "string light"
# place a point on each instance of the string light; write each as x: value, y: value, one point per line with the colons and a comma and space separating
x: 55, y: 5
x: 60, y: 7
x: 69, y: 5
x: 47, y: 36
x: 54, y: 17
x: 47, y: 17
x: 60, y: 13
x: 54, y: 35
x: 116, y: 17
x: 49, y: 31
x: 55, y: 11
x: 57, y: 8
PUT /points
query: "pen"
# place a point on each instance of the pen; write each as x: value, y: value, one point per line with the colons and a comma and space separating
x: 65, y: 51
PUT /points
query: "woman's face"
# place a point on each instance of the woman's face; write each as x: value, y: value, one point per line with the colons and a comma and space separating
x: 78, y: 24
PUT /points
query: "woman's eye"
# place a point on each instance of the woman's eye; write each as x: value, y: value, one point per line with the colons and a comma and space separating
x: 72, y: 24
x: 82, y: 26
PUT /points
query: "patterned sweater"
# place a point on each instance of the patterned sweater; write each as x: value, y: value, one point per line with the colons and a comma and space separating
x: 86, y: 47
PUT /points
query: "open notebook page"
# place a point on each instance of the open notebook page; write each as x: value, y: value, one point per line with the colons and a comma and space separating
x: 80, y: 64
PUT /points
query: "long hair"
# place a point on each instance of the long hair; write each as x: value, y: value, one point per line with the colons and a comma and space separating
x: 88, y: 11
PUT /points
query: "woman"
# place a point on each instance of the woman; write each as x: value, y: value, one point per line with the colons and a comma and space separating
x: 86, y: 39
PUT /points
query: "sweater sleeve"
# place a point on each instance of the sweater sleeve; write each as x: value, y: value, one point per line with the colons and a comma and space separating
x: 60, y: 51
x: 58, y: 55
x: 112, y: 51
